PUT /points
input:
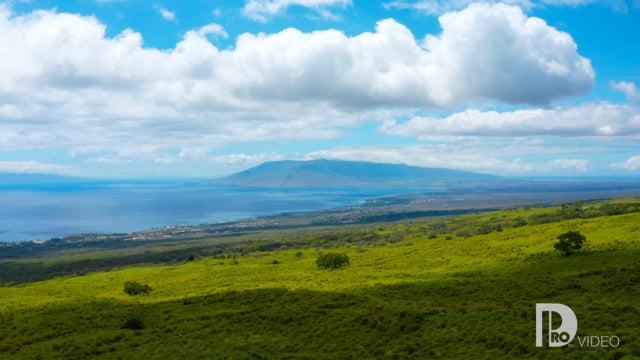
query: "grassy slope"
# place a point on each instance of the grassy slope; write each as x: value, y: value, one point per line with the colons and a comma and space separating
x: 418, y: 298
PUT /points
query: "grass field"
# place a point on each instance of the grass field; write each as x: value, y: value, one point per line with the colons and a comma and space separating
x: 456, y: 287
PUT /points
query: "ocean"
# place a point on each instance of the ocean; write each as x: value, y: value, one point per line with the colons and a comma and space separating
x: 45, y: 211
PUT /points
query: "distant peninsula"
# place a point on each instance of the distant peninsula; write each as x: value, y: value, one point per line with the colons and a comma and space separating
x: 338, y: 173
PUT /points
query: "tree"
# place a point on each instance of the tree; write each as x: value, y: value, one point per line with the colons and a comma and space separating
x: 570, y: 242
x: 332, y: 260
x: 133, y: 324
x: 135, y: 288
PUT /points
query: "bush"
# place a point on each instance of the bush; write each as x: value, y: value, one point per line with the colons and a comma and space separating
x: 133, y: 324
x: 135, y: 288
x: 570, y: 242
x: 332, y: 260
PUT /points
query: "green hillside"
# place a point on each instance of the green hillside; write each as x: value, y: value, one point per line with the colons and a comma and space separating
x: 455, y: 287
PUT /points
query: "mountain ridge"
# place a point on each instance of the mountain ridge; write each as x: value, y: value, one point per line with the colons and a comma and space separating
x: 342, y: 173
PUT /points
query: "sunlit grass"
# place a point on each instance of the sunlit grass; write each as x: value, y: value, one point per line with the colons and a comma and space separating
x: 448, y: 296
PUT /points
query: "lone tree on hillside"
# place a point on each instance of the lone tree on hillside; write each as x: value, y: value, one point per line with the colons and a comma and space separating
x: 332, y: 260
x: 570, y: 242
x: 135, y: 288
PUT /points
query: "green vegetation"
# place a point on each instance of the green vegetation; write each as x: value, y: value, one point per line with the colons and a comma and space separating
x: 467, y: 292
x: 332, y: 260
x: 135, y: 288
x: 570, y: 242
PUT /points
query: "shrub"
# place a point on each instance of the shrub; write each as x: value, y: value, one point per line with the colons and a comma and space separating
x: 332, y: 260
x: 133, y: 324
x: 570, y: 242
x: 135, y: 288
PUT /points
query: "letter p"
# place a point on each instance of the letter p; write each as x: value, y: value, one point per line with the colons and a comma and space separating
x: 563, y: 334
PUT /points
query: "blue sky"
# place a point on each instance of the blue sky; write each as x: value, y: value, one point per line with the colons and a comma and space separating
x: 137, y: 89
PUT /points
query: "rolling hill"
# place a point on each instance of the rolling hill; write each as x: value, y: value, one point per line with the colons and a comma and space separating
x: 336, y: 173
x: 462, y: 287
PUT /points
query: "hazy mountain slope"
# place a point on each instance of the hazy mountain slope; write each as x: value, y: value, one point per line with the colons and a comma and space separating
x: 331, y: 173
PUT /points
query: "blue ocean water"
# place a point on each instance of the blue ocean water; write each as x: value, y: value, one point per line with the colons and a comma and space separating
x: 44, y: 211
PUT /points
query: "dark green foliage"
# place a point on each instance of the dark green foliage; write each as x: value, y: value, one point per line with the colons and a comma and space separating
x: 585, y: 211
x: 133, y: 324
x: 275, y: 262
x: 20, y: 272
x: 570, y: 242
x: 485, y: 318
x: 332, y: 260
x: 135, y: 288
x: 299, y: 254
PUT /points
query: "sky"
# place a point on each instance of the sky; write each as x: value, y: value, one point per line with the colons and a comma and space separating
x: 182, y: 89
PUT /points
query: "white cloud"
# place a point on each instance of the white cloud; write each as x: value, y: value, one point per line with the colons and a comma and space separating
x: 246, y: 160
x: 33, y: 167
x: 64, y: 84
x: 632, y: 163
x: 166, y: 14
x: 506, y: 158
x: 498, y: 52
x: 600, y: 121
x: 468, y: 157
x: 262, y: 10
x: 492, y: 52
x: 439, y: 7
x: 628, y: 89
x: 570, y: 164
x: 213, y: 29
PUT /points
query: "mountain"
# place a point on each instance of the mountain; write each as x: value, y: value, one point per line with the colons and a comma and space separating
x: 336, y: 173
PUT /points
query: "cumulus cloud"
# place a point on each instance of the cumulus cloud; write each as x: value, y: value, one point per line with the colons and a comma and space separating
x: 629, y: 89
x: 498, y: 52
x: 600, y: 120
x: 65, y: 84
x: 262, y: 10
x: 631, y: 164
